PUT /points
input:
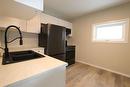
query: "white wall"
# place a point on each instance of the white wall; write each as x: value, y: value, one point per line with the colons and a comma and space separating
x: 30, y: 40
x: 111, y: 56
x: 0, y: 42
x: 51, y: 78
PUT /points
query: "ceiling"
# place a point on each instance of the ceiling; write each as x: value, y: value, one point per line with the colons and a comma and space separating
x: 64, y: 9
x: 70, y: 9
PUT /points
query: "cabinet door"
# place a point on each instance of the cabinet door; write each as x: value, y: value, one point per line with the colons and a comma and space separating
x: 7, y: 21
x: 70, y: 57
x: 33, y: 25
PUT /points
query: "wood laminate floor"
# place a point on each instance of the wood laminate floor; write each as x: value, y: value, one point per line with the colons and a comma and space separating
x: 81, y: 75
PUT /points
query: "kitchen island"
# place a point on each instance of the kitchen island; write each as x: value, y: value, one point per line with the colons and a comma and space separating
x: 42, y: 72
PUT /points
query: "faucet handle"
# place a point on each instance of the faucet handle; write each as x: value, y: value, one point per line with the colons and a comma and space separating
x: 21, y: 42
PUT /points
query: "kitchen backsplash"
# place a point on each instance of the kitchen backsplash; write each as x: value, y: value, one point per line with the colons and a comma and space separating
x: 0, y: 41
x: 30, y: 40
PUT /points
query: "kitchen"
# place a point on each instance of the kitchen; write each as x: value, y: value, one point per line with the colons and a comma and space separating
x: 63, y: 50
x: 22, y: 44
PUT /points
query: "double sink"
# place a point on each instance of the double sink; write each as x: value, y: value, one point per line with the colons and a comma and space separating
x: 20, y: 56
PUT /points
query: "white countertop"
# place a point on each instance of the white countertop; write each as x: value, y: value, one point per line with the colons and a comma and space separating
x: 12, y: 73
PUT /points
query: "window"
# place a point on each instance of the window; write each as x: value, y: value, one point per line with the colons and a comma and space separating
x: 115, y: 31
x: 38, y: 4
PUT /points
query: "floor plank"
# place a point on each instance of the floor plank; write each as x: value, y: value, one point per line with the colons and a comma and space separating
x: 81, y: 75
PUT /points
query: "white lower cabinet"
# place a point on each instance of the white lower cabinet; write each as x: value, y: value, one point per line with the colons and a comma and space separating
x: 52, y: 78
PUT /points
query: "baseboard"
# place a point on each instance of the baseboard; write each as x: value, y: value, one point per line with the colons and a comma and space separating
x: 103, y: 68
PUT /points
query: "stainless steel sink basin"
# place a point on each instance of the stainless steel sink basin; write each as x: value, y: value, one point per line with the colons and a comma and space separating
x: 21, y: 56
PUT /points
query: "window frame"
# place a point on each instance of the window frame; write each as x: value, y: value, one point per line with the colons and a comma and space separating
x: 125, y: 31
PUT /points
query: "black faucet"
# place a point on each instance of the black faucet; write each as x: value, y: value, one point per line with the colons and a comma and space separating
x: 6, y: 57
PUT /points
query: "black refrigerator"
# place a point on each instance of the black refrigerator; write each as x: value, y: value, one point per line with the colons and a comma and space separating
x: 53, y: 39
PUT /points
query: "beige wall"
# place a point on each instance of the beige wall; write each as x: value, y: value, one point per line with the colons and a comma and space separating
x: 112, y: 56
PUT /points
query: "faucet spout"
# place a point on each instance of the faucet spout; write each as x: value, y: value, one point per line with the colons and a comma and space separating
x: 6, y: 53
